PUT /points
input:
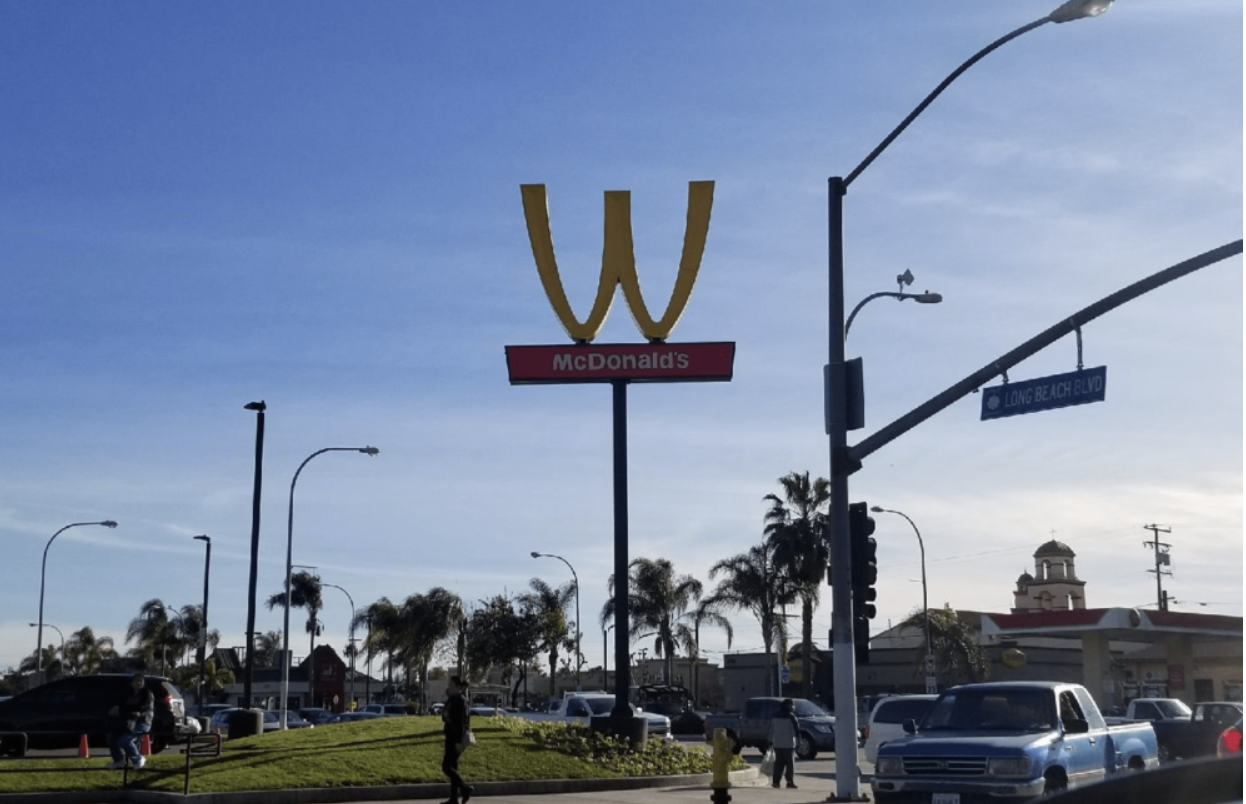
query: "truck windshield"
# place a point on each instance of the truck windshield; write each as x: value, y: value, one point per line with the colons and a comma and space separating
x: 807, y: 708
x: 1173, y: 708
x: 992, y: 710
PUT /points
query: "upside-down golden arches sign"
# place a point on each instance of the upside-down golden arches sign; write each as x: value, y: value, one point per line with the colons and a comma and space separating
x: 618, y: 262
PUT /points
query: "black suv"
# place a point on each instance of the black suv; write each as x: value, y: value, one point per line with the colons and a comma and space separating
x: 58, y: 713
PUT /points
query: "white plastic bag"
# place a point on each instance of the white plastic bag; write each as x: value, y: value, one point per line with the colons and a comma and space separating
x: 767, y: 763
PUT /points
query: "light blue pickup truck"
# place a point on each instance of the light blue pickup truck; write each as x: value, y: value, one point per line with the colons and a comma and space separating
x: 1008, y: 741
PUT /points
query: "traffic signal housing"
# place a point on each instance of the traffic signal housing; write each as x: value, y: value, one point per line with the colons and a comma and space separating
x: 864, y: 576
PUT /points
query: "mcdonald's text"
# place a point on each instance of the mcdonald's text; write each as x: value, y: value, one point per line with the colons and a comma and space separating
x: 653, y: 362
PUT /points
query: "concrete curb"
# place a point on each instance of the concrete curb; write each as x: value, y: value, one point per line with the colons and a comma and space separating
x: 402, y: 792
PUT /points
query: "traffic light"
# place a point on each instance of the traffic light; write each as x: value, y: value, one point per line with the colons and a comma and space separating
x: 864, y: 576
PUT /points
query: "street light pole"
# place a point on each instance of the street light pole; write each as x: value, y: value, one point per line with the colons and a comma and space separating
x: 249, y: 674
x: 847, y: 784
x: 43, y: 575
x: 932, y: 684
x: 350, y: 638
x: 203, y: 626
x: 605, y: 656
x: 62, y: 636
x: 576, y: 578
x: 285, y: 632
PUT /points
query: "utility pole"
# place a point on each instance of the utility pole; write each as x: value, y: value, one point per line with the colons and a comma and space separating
x: 1162, y: 558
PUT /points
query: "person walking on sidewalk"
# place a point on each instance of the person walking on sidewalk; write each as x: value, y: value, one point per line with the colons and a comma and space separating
x: 130, y: 720
x: 457, y: 724
x: 784, y: 731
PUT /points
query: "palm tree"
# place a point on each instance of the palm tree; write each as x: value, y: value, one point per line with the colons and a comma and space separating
x: 707, y: 612
x: 752, y: 582
x: 84, y: 653
x: 304, y: 594
x: 154, y: 634
x: 550, y: 606
x: 798, y: 527
x: 954, y: 642
x: 383, y: 622
x: 267, y: 648
x: 656, y: 599
x: 426, y: 620
x: 53, y: 667
x: 215, y: 679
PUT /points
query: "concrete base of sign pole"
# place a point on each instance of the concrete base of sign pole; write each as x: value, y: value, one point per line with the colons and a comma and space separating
x: 633, y: 729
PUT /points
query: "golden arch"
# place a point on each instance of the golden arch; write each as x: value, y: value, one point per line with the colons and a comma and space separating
x: 618, y: 261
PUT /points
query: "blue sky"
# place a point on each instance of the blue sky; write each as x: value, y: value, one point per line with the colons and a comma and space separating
x: 318, y: 205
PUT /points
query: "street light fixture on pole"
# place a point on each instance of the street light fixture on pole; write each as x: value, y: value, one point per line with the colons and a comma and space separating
x: 837, y: 383
x: 932, y: 684
x: 903, y: 279
x: 576, y: 578
x: 43, y: 575
x: 203, y: 626
x: 58, y: 631
x: 285, y: 633
x: 350, y: 639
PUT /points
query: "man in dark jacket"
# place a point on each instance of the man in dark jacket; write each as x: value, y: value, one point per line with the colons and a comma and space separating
x: 457, y: 725
x: 131, y: 720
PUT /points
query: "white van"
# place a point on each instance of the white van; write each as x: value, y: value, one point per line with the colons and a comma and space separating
x: 887, y: 720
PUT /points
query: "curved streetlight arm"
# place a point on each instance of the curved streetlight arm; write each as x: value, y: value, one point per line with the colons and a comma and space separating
x: 921, y: 298
x: 285, y: 639
x: 921, y: 107
x: 43, y: 575
x: 350, y: 634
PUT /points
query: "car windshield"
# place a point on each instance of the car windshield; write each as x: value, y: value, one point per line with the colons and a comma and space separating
x: 808, y: 709
x: 1173, y: 708
x: 992, y: 710
x: 600, y: 706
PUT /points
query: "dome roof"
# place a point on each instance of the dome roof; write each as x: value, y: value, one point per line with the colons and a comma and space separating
x: 1054, y: 548
x: 1025, y: 578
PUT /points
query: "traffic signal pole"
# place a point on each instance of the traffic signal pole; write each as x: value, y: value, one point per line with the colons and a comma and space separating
x: 847, y: 783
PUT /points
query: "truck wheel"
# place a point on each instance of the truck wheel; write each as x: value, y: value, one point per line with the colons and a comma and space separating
x: 1165, y: 753
x: 805, y: 747
x: 1054, y: 782
x: 736, y: 748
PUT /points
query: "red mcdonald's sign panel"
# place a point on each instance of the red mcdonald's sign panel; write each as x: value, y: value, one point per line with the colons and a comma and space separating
x: 641, y: 362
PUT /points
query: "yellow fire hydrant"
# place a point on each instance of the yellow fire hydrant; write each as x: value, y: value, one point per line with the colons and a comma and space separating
x: 720, y: 760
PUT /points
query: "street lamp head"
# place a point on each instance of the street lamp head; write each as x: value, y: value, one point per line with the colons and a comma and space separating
x: 535, y: 554
x: 108, y: 523
x: 878, y: 509
x: 1079, y: 9
x: 370, y: 451
x: 258, y: 406
x: 202, y: 537
x: 927, y: 298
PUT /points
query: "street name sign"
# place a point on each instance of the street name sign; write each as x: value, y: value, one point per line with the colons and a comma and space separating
x: 1044, y: 393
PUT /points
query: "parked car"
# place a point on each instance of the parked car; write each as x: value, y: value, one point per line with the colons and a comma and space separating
x: 751, y: 728
x: 1230, y: 742
x: 58, y: 713
x: 582, y: 707
x: 436, y: 708
x: 316, y: 715
x: 388, y: 710
x: 675, y: 702
x: 272, y: 720
x: 886, y: 721
x: 1008, y: 741
x: 355, y: 717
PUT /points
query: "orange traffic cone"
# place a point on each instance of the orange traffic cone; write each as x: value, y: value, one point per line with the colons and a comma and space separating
x: 84, y: 750
x: 145, y: 748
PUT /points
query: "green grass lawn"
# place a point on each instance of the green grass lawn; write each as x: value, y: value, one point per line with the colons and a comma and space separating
x: 401, y: 750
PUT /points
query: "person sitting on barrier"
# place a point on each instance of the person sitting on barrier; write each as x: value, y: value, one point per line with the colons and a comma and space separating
x: 129, y: 721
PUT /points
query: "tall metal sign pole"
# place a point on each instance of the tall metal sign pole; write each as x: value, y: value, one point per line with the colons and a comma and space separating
x: 620, y: 364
